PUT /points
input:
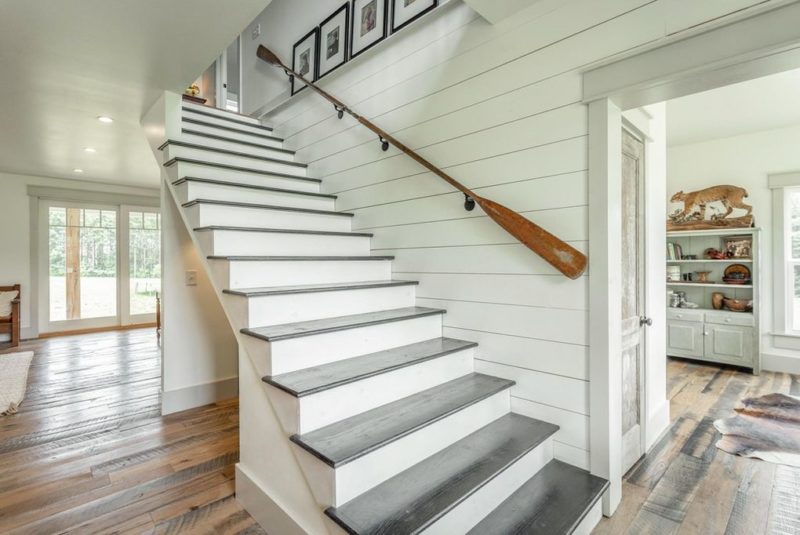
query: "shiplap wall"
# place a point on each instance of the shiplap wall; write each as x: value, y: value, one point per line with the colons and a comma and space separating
x: 498, y: 107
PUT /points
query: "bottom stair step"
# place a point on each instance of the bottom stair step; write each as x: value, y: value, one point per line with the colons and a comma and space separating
x: 552, y: 502
x: 417, y: 498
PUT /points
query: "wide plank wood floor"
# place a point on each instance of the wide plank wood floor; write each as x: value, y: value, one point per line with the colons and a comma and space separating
x: 686, y: 485
x: 89, y: 452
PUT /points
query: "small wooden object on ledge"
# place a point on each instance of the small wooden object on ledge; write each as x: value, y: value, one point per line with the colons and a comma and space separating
x: 196, y: 100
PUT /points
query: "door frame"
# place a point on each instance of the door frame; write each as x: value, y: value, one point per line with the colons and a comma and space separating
x: 756, y: 43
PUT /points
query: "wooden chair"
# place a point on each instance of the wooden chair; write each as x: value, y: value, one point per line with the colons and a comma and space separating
x: 10, y: 325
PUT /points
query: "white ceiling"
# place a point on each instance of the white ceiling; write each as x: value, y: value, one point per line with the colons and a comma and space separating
x: 63, y: 63
x: 761, y: 104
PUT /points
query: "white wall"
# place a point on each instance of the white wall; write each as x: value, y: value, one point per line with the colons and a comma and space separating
x: 15, y: 231
x: 745, y: 161
x: 499, y: 107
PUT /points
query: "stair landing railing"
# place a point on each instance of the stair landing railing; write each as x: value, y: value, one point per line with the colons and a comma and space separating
x: 553, y: 250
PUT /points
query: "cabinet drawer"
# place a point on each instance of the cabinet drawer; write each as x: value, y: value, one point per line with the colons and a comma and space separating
x: 733, y: 318
x: 684, y: 314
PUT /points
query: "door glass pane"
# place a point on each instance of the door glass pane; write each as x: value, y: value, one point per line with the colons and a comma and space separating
x: 794, y: 207
x: 232, y: 68
x: 145, y: 261
x: 82, y: 263
x: 796, y: 296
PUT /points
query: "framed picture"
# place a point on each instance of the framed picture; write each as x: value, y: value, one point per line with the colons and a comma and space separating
x: 304, y: 59
x: 334, y: 40
x: 407, y: 11
x: 738, y: 246
x: 367, y: 25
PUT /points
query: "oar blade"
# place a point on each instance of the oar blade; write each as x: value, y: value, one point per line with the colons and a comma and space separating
x: 554, y: 251
x: 268, y: 55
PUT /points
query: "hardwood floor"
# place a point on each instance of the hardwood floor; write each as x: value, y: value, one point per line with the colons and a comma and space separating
x: 89, y: 452
x: 686, y: 485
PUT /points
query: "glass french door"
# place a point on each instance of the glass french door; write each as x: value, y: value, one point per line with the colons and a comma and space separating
x: 100, y: 266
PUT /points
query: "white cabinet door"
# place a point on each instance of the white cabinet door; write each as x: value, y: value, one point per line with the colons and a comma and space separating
x: 729, y: 343
x: 684, y: 339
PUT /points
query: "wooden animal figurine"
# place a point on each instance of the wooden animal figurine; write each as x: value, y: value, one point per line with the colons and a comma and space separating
x: 729, y: 196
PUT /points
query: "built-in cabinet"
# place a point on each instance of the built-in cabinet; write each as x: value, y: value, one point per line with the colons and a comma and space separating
x: 705, y: 333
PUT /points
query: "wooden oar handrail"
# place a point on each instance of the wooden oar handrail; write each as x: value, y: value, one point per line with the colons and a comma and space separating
x: 556, y: 252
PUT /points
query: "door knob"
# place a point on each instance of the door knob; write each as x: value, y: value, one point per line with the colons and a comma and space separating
x: 644, y: 320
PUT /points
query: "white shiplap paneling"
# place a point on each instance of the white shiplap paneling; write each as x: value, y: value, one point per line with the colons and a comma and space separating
x: 497, y: 107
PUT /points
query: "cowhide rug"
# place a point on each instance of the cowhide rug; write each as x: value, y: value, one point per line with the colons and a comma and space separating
x: 766, y: 428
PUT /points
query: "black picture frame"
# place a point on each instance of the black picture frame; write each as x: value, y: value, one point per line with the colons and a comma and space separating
x: 433, y: 5
x: 384, y: 27
x: 346, y: 46
x: 314, y: 67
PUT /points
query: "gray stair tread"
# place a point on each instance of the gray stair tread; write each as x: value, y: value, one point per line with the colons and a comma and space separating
x: 236, y: 141
x: 320, y: 378
x: 251, y: 186
x: 179, y: 159
x: 232, y: 117
x: 552, y: 502
x: 313, y: 288
x: 351, y: 438
x: 300, y: 258
x: 229, y: 152
x: 415, y: 498
x: 231, y: 128
x: 284, y: 231
x: 267, y: 207
x: 306, y: 328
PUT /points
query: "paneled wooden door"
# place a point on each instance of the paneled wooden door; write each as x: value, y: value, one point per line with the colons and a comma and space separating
x: 633, y: 306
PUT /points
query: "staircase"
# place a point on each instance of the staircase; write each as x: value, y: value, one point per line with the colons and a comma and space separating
x: 393, y: 430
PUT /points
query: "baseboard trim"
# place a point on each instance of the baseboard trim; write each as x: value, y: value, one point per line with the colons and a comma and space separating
x: 198, y: 395
x: 92, y: 330
x: 780, y: 363
x: 262, y: 507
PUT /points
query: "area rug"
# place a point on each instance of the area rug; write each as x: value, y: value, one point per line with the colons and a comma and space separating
x: 767, y: 428
x: 13, y: 380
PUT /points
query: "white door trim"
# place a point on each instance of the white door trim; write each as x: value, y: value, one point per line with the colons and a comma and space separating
x: 765, y: 43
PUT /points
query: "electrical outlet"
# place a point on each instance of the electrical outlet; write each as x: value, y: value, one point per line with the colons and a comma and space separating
x: 191, y: 278
x: 256, y: 31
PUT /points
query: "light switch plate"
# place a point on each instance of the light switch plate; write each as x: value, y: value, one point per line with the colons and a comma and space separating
x: 191, y: 278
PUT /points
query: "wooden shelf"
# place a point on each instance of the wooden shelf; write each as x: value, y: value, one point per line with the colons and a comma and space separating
x: 726, y: 261
x: 711, y: 285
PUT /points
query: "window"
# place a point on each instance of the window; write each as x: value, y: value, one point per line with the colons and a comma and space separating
x: 792, y: 257
x: 144, y: 257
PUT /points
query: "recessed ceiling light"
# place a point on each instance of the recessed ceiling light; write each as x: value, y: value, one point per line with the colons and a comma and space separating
x: 105, y: 119
x: 89, y: 149
x: 77, y: 170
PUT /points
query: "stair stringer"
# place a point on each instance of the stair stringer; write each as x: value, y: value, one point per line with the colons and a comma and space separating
x: 260, y: 427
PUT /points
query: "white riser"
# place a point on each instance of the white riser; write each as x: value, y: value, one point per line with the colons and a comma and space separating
x: 239, y: 243
x: 205, y: 215
x: 184, y: 169
x: 175, y: 151
x: 290, y: 308
x: 238, y: 147
x: 253, y: 128
x: 189, y: 191
x: 233, y: 136
x: 294, y: 354
x: 304, y: 414
x: 338, y: 486
x: 237, y: 274
x: 468, y: 513
x: 218, y: 112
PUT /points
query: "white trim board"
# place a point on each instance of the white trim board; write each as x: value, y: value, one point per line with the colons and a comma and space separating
x: 193, y: 396
x: 265, y: 510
